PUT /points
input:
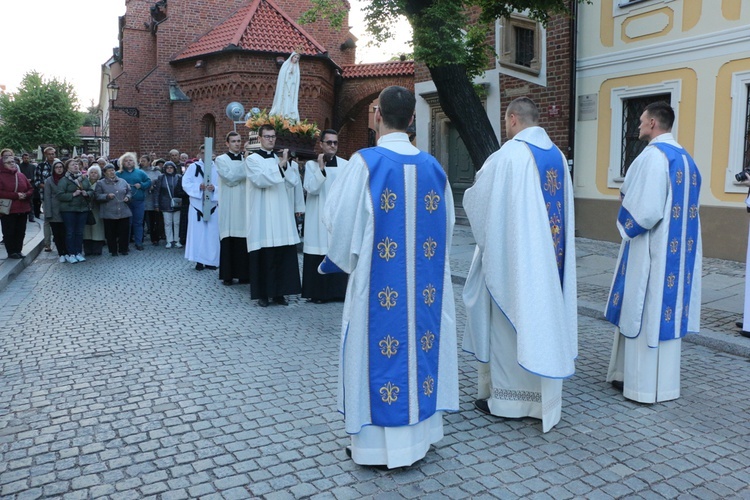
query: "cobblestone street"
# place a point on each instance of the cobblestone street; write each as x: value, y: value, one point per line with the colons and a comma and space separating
x: 138, y: 376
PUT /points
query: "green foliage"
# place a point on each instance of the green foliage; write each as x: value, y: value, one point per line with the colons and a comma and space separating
x: 443, y: 33
x: 333, y: 10
x: 41, y: 112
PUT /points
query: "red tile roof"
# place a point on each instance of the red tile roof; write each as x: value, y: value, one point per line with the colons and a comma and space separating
x: 87, y: 131
x: 394, y: 68
x: 261, y: 26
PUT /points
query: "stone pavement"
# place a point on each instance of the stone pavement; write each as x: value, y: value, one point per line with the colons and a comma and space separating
x: 137, y: 376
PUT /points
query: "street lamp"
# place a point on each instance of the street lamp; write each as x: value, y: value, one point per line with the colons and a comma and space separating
x: 113, y: 90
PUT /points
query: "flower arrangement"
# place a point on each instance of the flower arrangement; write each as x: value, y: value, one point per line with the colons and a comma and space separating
x: 283, y: 126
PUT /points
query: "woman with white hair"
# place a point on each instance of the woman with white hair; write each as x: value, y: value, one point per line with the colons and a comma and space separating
x: 113, y: 195
x: 93, y: 235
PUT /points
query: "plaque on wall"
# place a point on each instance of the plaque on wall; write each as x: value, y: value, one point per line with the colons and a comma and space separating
x: 587, y: 107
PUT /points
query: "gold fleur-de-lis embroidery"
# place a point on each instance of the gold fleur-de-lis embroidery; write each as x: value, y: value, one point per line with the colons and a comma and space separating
x: 387, y: 200
x: 693, y: 211
x: 685, y: 310
x: 668, y: 315
x: 431, y: 201
x: 670, y: 280
x: 388, y: 297
x: 429, y: 386
x: 427, y: 340
x: 429, y: 294
x: 616, y: 298
x: 388, y: 346
x: 389, y: 393
x: 690, y: 243
x: 689, y: 277
x: 679, y: 177
x: 674, y: 245
x: 387, y: 249
x: 622, y: 269
x: 629, y: 224
x: 694, y: 179
x: 429, y: 247
x: 676, y: 211
x: 552, y: 184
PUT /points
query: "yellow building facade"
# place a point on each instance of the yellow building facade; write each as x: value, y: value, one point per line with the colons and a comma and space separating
x: 694, y: 54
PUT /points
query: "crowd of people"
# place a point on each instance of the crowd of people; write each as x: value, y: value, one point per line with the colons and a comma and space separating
x: 377, y: 233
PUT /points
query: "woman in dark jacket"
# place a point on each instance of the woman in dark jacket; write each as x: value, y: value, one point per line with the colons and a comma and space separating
x: 14, y: 186
x: 52, y: 208
x: 169, y: 188
x: 113, y: 195
x: 75, y: 195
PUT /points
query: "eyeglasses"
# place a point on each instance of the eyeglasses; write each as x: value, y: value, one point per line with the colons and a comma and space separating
x: 331, y: 143
x: 269, y: 136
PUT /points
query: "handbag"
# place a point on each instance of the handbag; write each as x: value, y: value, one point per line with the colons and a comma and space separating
x: 90, y: 219
x: 173, y: 202
x: 5, y: 203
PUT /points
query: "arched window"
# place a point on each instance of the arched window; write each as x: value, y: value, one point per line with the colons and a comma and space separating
x: 208, y: 126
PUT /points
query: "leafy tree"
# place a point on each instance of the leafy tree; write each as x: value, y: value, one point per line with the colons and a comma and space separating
x: 41, y: 112
x: 452, y: 44
x: 90, y: 118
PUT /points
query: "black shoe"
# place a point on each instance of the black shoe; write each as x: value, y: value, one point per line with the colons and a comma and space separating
x: 281, y: 300
x: 263, y: 302
x: 212, y: 268
x: 618, y: 384
x: 318, y: 301
x: 483, y: 406
x: 745, y: 334
x: 124, y: 253
x: 228, y: 282
x: 348, y: 451
x: 199, y: 267
x: 114, y: 254
x: 739, y: 324
x: 139, y: 247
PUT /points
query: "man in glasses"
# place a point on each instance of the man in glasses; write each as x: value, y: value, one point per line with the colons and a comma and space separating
x: 390, y: 215
x: 272, y: 235
x: 319, y: 176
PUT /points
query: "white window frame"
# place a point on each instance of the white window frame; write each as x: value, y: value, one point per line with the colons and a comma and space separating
x: 617, y: 96
x: 739, y: 94
x: 623, y: 7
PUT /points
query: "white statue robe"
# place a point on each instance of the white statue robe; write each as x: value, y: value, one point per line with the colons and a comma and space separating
x: 296, y: 193
x: 647, y: 343
x: 202, y: 243
x: 232, y: 196
x: 286, y: 96
x: 522, y: 322
x: 270, y: 220
x: 349, y: 215
x: 318, y: 186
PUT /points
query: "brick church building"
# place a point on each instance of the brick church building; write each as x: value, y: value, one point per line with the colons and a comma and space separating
x: 181, y: 62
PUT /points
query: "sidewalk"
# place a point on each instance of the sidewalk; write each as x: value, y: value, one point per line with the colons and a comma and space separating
x: 722, y: 294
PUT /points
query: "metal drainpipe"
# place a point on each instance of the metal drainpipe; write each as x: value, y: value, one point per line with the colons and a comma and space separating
x: 573, y: 77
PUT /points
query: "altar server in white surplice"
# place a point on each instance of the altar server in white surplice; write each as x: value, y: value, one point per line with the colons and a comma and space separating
x: 390, y: 217
x: 319, y: 177
x: 234, y: 262
x: 520, y: 294
x: 655, y: 298
x: 272, y: 235
x: 202, y: 246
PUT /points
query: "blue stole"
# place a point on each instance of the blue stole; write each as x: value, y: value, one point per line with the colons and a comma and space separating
x: 683, y: 230
x: 406, y: 285
x: 552, y: 171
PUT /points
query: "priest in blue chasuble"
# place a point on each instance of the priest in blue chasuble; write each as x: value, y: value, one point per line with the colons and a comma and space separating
x: 390, y: 219
x: 520, y: 293
x: 655, y: 298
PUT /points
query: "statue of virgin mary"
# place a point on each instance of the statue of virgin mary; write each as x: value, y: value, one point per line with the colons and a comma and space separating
x: 287, y: 89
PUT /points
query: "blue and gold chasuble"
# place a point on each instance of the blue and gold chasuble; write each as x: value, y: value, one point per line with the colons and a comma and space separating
x: 685, y: 183
x: 406, y: 285
x: 552, y: 173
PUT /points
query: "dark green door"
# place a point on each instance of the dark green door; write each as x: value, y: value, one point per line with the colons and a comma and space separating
x: 460, y: 168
